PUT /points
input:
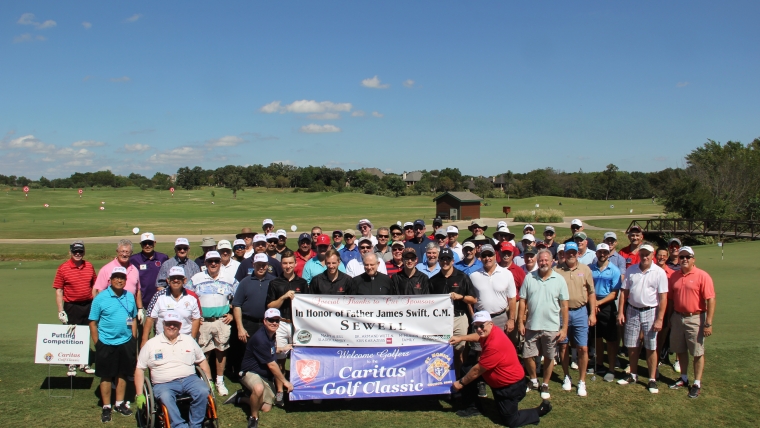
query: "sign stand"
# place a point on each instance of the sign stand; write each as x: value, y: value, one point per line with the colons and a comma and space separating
x: 50, y: 389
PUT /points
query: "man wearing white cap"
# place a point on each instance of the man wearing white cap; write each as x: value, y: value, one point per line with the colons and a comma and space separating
x: 282, y: 242
x: 645, y: 289
x: 148, y: 263
x: 576, y: 226
x: 674, y: 248
x: 229, y: 266
x: 215, y: 294
x: 528, y: 229
x: 267, y: 225
x: 527, y: 240
x: 469, y: 262
x: 176, y: 299
x: 500, y: 368
x: 181, y: 251
x: 365, y: 229
x: 586, y: 254
x: 550, y: 241
x: 272, y: 241
x: 610, y: 238
x: 408, y: 231
x: 259, y: 247
x: 114, y: 330
x: 171, y: 357
x: 452, y: 232
x: 239, y: 249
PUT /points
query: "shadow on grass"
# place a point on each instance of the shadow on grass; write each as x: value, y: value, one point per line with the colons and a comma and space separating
x: 67, y: 382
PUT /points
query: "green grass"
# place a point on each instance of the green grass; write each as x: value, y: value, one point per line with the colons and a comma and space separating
x: 616, y: 224
x: 729, y: 396
x: 191, y: 212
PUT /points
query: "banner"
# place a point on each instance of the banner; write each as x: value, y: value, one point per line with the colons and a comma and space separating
x: 328, y: 373
x: 62, y: 344
x: 368, y: 321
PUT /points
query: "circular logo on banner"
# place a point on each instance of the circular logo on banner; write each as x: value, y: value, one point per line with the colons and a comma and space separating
x: 303, y: 336
x: 48, y: 356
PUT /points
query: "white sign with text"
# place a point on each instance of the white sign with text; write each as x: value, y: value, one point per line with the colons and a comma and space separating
x: 62, y: 344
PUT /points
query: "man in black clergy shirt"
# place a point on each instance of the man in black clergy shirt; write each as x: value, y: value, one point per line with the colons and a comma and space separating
x: 409, y: 280
x: 371, y: 282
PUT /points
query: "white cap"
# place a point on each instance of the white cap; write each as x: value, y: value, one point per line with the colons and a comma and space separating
x: 181, y: 241
x: 119, y: 269
x: 364, y: 221
x: 176, y: 271
x: 267, y: 221
x: 281, y: 232
x: 272, y: 236
x: 560, y: 247
x: 612, y: 235
x: 482, y: 316
x: 576, y: 222
x: 602, y: 246
x: 687, y: 249
x: 440, y: 232
x: 501, y: 224
x: 172, y: 316
x: 364, y: 238
x: 528, y: 226
x: 452, y: 229
x: 238, y: 242
x: 224, y: 245
x: 272, y: 313
x: 259, y: 237
x: 647, y: 247
x: 260, y: 258
x: 147, y: 236
x: 407, y: 224
x: 529, y: 237
x: 213, y: 255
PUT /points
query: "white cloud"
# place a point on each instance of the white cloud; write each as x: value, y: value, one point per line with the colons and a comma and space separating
x: 47, y: 24
x: 137, y: 147
x: 409, y: 83
x: 27, y: 143
x: 313, y: 128
x: 122, y: 79
x: 28, y: 38
x: 87, y: 25
x: 374, y: 83
x: 376, y: 114
x: 133, y: 18
x: 306, y: 106
x: 682, y: 84
x: 178, y: 155
x: 226, y: 141
x: 28, y: 19
x: 324, y: 116
x: 357, y: 113
x: 88, y: 143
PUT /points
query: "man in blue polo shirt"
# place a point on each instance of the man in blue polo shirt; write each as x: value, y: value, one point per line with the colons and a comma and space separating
x: 113, y: 329
x: 607, y: 286
x: 350, y: 250
x: 469, y: 262
x: 181, y: 259
x: 420, y: 240
x: 148, y: 263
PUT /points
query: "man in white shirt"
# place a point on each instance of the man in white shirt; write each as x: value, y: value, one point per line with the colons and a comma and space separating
x: 452, y: 232
x: 229, y: 266
x: 365, y: 229
x: 174, y: 299
x: 355, y: 268
x: 645, y: 288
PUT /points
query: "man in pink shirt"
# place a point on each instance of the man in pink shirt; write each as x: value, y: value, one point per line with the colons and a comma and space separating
x: 123, y: 253
x: 693, y: 309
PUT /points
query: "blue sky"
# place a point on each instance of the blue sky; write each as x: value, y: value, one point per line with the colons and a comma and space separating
x: 483, y: 86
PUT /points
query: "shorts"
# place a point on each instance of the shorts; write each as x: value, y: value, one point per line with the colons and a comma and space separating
x: 78, y: 312
x: 541, y: 341
x: 640, y: 322
x: 460, y: 329
x: 214, y: 335
x: 577, y: 331
x: 284, y: 337
x: 606, y: 323
x: 115, y: 360
x: 499, y: 321
x: 250, y: 380
x: 687, y: 334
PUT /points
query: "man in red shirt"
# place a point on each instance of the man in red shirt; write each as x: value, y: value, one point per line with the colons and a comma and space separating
x: 500, y: 368
x: 631, y: 252
x: 73, y: 292
x: 693, y: 310
x: 304, y: 253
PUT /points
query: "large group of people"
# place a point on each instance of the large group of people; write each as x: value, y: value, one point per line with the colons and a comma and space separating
x: 520, y: 307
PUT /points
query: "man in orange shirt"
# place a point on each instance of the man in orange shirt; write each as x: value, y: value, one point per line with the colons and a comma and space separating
x: 693, y: 310
x: 631, y: 252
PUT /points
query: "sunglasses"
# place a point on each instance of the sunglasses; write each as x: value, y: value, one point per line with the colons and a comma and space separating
x: 483, y: 256
x: 410, y: 258
x: 397, y: 249
x: 172, y: 325
x: 446, y: 260
x: 418, y: 227
x: 383, y: 236
x: 239, y: 247
x: 479, y: 327
x: 177, y: 279
x: 147, y: 243
x: 182, y: 248
x: 396, y: 233
x: 77, y: 252
x: 273, y: 320
x: 408, y: 228
x: 685, y: 257
x: 364, y: 247
x: 213, y: 261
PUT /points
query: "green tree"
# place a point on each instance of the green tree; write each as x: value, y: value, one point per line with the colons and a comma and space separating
x: 235, y: 182
x: 483, y: 187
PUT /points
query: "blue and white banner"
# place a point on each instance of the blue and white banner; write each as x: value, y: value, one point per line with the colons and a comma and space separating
x: 324, y: 373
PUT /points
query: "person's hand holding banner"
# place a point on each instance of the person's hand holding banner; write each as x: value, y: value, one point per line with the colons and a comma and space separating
x: 63, y: 317
x: 140, y: 401
x: 454, y: 340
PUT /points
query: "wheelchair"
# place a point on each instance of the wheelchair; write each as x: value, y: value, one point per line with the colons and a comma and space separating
x: 155, y: 414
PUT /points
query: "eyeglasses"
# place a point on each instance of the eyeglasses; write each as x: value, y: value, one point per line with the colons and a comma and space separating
x: 479, y: 326
x: 80, y: 252
x: 364, y: 247
x: 182, y: 248
x: 256, y: 244
x: 172, y: 325
x: 239, y: 247
x: 348, y: 236
x: 213, y: 261
x: 573, y: 227
x: 410, y: 259
x: 408, y: 228
x: 396, y: 233
x: 364, y: 226
x: 685, y: 257
x: 273, y: 320
x: 549, y: 233
x: 397, y: 249
x: 225, y: 251
x: 483, y: 256
x: 177, y: 279
x: 383, y: 236
x: 147, y: 243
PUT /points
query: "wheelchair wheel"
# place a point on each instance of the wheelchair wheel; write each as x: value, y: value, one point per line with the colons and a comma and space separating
x: 212, y: 418
x: 205, y: 378
x: 146, y: 417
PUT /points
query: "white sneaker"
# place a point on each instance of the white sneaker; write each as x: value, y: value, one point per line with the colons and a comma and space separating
x: 609, y: 377
x: 677, y: 367
x: 567, y: 385
x: 87, y: 369
x: 573, y: 365
x: 221, y: 389
x: 72, y: 370
x: 581, y: 389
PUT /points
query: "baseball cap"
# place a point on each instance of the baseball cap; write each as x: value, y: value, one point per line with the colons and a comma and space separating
x: 571, y: 246
x: 452, y: 229
x: 281, y: 233
x: 408, y: 253
x: 602, y: 247
x: 267, y: 221
x: 676, y: 240
x: 634, y: 227
x: 419, y: 222
x: 446, y: 253
x: 337, y: 232
x: 581, y: 235
x: 213, y: 255
x: 488, y: 248
x: 259, y: 237
x: 364, y: 238
x: 397, y: 243
x: 176, y: 271
x: 272, y: 237
x: 322, y: 240
x: 468, y: 244
x: 272, y: 313
x: 528, y: 226
x: 224, y: 245
x: 528, y: 237
x: 394, y: 226
x: 304, y: 236
x: 238, y: 242
x: 364, y: 221
x: 560, y: 247
x: 119, y: 270
x: 482, y: 316
x: 208, y: 242
x: 147, y: 236
x: 612, y: 235
x: 549, y: 229
x: 409, y: 224
x: 76, y: 246
x: 440, y: 232
x: 506, y: 246
x: 438, y: 221
x: 576, y: 222
x: 647, y: 247
x: 351, y: 232
x: 687, y: 249
x: 530, y: 249
x: 181, y: 241
x: 172, y: 316
x: 541, y: 244
x: 260, y: 258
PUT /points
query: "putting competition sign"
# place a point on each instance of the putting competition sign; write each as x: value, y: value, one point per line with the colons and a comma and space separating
x: 62, y: 344
x: 371, y: 346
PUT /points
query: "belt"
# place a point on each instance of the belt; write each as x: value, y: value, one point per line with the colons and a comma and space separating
x: 459, y: 313
x: 80, y: 303
x: 246, y: 317
x: 645, y: 308
x: 689, y: 314
x: 498, y: 313
x: 579, y: 307
x: 211, y: 319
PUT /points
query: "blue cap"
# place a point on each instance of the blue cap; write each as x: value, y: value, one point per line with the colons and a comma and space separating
x: 419, y: 222
x: 571, y: 246
x: 303, y: 236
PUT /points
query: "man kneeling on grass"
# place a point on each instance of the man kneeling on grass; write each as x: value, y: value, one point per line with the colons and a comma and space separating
x: 500, y: 368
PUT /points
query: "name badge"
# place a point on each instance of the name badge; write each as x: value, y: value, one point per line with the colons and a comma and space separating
x: 159, y: 355
x: 143, y: 267
x: 203, y: 268
x: 170, y: 306
x: 220, y: 290
x: 129, y: 321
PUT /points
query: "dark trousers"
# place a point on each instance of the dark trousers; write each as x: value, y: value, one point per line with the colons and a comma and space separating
x: 507, y: 398
x: 237, y: 348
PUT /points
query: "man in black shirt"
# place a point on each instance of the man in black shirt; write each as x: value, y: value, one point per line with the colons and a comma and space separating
x: 409, y: 280
x: 458, y: 286
x: 259, y: 247
x: 260, y: 369
x: 371, y: 282
x: 331, y: 281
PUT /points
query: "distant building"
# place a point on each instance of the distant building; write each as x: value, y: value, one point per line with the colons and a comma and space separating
x: 466, y: 204
x: 498, y: 182
x: 411, y: 178
x: 374, y: 171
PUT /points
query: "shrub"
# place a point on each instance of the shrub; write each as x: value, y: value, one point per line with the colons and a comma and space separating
x: 539, y: 216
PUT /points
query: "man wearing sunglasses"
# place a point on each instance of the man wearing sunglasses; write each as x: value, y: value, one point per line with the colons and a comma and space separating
x: 350, y: 250
x: 674, y: 247
x: 469, y: 262
x: 179, y: 300
x: 304, y: 252
x: 238, y: 249
x: 246, y: 267
x: 576, y: 226
x: 452, y: 233
x: 549, y: 241
x: 693, y: 310
x: 73, y: 293
x: 610, y: 238
x: 272, y: 241
x: 246, y: 234
x: 181, y: 252
x: 408, y: 231
x: 355, y: 268
x: 365, y: 229
x: 229, y: 266
x: 337, y: 237
x: 148, y: 263
x: 410, y: 281
x: 207, y: 244
x: 382, y: 249
x: 420, y: 240
x: 397, y: 232
x: 396, y: 263
x: 282, y: 242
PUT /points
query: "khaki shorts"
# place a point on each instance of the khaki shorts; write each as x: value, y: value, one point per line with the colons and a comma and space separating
x: 686, y: 333
x: 540, y: 340
x: 250, y: 380
x: 460, y: 329
x: 284, y: 336
x: 214, y: 335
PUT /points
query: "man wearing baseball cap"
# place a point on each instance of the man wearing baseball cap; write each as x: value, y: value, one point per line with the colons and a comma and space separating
x: 410, y: 281
x: 528, y: 239
x: 674, y: 247
x: 631, y: 252
x: 229, y: 266
x: 507, y: 253
x: 174, y: 298
x: 181, y: 251
x: 316, y: 265
x: 693, y: 310
x: 549, y: 240
x: 606, y: 286
x: 576, y: 226
x: 452, y: 232
x: 469, y: 262
x: 272, y: 241
x: 409, y: 231
x: 441, y: 238
x: 610, y: 238
x: 645, y: 289
x: 304, y: 252
x: 365, y: 229
x: 437, y: 224
x: 337, y: 237
x: 73, y: 293
x: 528, y: 230
x: 238, y: 249
x: 500, y: 368
x: 114, y: 331
x: 207, y: 244
x: 148, y: 263
x: 267, y: 226
x: 396, y: 263
x: 171, y: 357
x: 420, y: 240
x: 355, y: 268
x: 246, y: 267
x: 282, y: 241
x: 350, y: 250
x: 586, y: 255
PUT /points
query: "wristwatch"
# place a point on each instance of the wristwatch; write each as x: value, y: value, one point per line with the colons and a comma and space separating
x: 708, y: 325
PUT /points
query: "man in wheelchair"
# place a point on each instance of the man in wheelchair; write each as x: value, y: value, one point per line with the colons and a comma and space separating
x: 171, y: 358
